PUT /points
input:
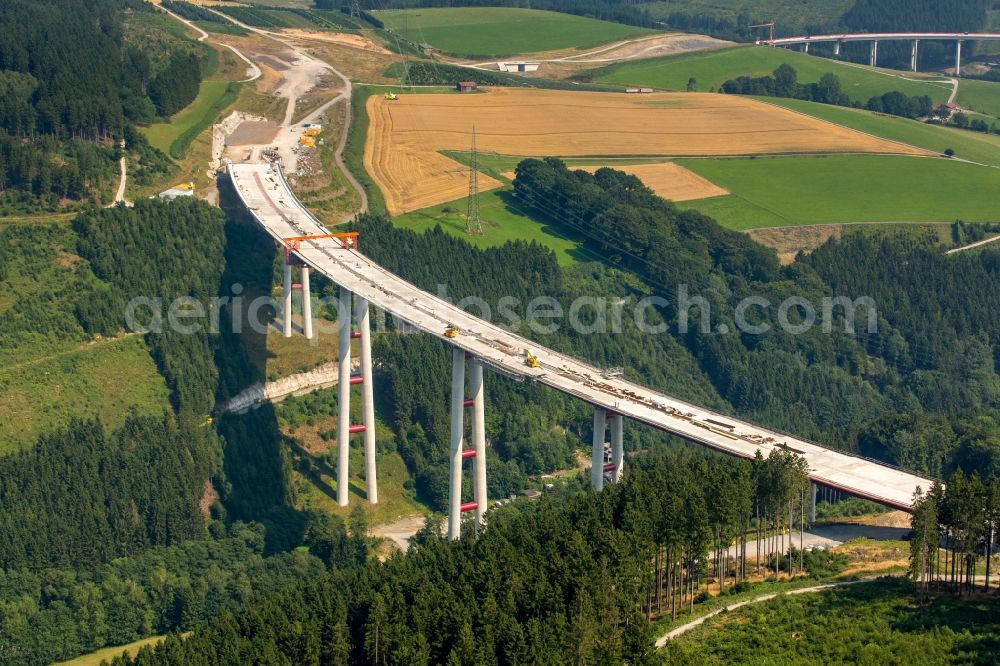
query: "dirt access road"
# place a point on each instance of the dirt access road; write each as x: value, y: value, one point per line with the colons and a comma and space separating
x: 300, y: 77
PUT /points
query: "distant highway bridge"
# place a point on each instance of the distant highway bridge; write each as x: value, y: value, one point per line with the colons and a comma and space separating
x: 264, y: 191
x: 875, y: 37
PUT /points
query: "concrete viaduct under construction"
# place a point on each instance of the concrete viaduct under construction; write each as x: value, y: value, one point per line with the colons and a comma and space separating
x: 875, y: 37
x: 477, y: 344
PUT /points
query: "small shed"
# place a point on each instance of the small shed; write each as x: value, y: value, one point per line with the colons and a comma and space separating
x: 466, y: 86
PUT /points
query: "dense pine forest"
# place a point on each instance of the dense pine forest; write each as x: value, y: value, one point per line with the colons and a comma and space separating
x: 921, y: 396
x: 182, y: 519
x: 549, y: 583
x: 69, y: 91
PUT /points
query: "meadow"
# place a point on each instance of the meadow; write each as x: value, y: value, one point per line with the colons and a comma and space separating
x: 500, y: 31
x: 712, y: 68
x: 791, y: 191
x: 980, y: 96
x: 173, y: 137
x: 972, y: 146
x: 101, y: 379
x: 502, y: 222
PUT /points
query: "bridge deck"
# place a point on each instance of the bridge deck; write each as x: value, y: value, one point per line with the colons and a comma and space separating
x: 883, y: 36
x: 266, y: 194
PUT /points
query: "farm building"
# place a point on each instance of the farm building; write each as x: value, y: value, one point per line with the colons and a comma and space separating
x: 466, y: 86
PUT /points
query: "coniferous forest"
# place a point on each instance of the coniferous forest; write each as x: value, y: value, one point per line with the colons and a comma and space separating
x: 926, y: 402
x: 69, y: 91
x: 187, y: 520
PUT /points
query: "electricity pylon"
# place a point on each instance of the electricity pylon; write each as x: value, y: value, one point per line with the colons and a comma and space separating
x: 473, y: 225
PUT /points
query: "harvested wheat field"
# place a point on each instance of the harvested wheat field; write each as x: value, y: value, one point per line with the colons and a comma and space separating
x: 405, y: 135
x: 669, y: 180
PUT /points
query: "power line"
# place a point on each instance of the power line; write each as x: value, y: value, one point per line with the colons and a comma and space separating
x: 473, y: 225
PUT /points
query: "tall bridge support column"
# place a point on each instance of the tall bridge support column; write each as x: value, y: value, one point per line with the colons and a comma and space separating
x: 874, y: 60
x: 617, y: 447
x: 813, y: 489
x: 836, y: 47
x: 307, y: 317
x: 457, y: 432
x: 805, y: 47
x: 913, y: 55
x: 286, y: 299
x: 597, y: 452
x: 343, y: 396
x: 958, y: 57
x: 367, y: 398
x: 478, y: 441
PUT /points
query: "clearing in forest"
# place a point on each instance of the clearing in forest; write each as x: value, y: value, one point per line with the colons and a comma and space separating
x: 406, y: 135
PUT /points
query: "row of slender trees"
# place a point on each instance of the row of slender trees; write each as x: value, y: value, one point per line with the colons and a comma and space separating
x: 954, y: 529
x: 704, y: 531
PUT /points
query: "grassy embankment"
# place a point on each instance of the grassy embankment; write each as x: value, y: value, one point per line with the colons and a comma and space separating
x: 500, y: 31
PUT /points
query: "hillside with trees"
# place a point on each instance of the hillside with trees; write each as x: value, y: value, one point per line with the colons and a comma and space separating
x: 572, y: 577
x: 60, y: 129
x: 936, y: 348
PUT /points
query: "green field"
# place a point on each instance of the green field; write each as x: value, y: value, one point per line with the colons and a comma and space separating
x: 972, y: 146
x: 502, y: 222
x: 712, y: 68
x: 194, y: 118
x: 846, y: 188
x: 101, y: 379
x: 498, y: 31
x: 980, y: 96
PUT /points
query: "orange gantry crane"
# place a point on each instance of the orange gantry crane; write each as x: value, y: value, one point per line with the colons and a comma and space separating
x: 349, y: 240
x: 770, y: 25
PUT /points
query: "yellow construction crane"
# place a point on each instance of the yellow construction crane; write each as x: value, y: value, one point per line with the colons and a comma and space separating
x: 391, y: 96
x: 451, y: 331
x: 530, y: 359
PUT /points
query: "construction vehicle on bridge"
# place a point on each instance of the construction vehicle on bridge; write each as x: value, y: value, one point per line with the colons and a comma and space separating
x: 451, y: 331
x: 530, y: 359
